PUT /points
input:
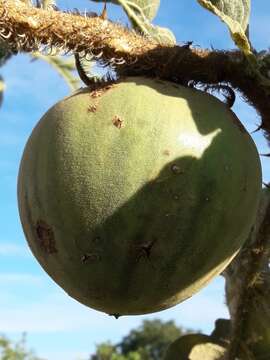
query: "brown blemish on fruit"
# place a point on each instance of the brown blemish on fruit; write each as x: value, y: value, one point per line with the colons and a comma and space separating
x: 92, y: 108
x: 145, y: 249
x: 45, y: 237
x: 90, y: 257
x: 166, y: 152
x: 100, y: 89
x: 96, y: 93
x: 117, y: 122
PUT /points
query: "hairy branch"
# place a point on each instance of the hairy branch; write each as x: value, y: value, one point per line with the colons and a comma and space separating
x: 26, y: 28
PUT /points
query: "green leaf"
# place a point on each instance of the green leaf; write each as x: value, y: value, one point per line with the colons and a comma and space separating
x: 62, y: 66
x: 162, y: 35
x: 148, y: 7
x: 139, y: 21
x: 235, y: 14
x: 140, y: 13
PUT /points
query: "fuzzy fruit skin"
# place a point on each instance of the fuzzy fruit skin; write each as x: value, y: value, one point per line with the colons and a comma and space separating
x: 134, y: 197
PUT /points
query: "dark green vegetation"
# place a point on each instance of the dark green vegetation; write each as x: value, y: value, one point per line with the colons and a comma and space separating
x: 134, y: 196
x: 147, y: 342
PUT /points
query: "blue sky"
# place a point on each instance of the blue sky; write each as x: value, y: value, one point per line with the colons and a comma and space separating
x: 58, y: 327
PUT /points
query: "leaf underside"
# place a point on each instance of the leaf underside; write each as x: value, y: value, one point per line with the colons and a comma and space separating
x: 235, y: 14
x: 140, y: 14
x: 149, y: 7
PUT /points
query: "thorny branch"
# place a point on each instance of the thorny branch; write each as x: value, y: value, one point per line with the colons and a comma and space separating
x: 26, y: 28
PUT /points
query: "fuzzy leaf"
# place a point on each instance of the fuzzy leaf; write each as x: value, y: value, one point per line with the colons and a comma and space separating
x: 148, y: 7
x: 62, y: 66
x: 162, y: 35
x: 140, y: 13
x: 48, y: 4
x: 235, y: 14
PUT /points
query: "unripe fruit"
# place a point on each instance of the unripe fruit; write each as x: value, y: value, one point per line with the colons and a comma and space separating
x: 133, y: 197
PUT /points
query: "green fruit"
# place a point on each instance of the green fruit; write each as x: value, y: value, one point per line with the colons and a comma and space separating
x: 194, y: 347
x: 133, y: 197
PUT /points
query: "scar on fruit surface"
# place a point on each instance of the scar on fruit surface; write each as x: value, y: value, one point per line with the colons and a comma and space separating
x: 166, y: 152
x: 100, y: 90
x: 45, y: 237
x: 144, y: 250
x: 117, y: 122
x: 90, y: 257
x: 92, y: 108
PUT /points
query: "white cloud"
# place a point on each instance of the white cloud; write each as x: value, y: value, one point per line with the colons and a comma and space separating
x: 9, y: 249
x: 57, y: 312
x: 18, y: 278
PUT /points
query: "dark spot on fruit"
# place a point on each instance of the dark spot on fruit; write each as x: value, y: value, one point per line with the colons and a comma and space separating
x: 90, y: 257
x: 176, y: 169
x: 145, y: 249
x: 100, y: 89
x: 92, y: 108
x: 45, y: 237
x: 117, y: 122
x: 166, y: 152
